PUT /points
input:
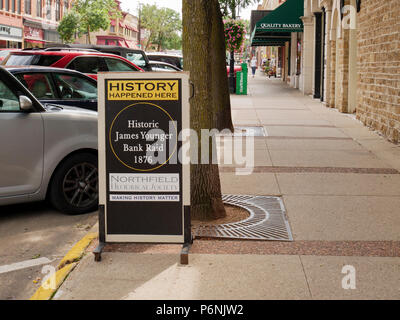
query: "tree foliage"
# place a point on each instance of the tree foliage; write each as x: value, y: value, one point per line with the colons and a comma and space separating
x: 229, y: 7
x: 87, y: 16
x: 174, y: 42
x: 68, y: 27
x: 164, y: 26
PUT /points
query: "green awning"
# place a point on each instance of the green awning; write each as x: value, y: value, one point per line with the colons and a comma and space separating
x: 268, y: 42
x: 280, y: 22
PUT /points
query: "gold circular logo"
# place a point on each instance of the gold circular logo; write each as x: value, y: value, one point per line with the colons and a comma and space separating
x: 127, y: 165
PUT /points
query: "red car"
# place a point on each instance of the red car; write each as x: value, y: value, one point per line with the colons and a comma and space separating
x: 236, y: 69
x: 4, y: 53
x: 88, y: 62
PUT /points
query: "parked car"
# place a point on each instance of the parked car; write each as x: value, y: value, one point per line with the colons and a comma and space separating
x: 235, y: 69
x: 136, y: 56
x: 163, y: 66
x: 47, y: 151
x: 88, y: 62
x: 4, y: 53
x: 175, y: 60
x: 59, y: 86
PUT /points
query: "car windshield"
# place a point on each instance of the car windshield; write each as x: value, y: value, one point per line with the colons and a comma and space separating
x: 136, y: 58
x: 174, y: 60
x: 75, y: 87
x: 4, y: 53
x: 118, y: 65
x: 31, y: 59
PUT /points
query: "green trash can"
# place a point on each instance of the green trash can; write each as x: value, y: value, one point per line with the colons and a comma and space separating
x: 241, y: 80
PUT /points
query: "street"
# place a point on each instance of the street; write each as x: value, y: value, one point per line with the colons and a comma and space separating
x: 33, y: 231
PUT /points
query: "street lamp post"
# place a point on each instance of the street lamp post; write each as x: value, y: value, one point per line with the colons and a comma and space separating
x: 231, y: 78
x: 232, y: 72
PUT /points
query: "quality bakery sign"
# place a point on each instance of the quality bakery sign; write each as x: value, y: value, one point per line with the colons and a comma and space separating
x: 280, y: 26
x: 143, y: 185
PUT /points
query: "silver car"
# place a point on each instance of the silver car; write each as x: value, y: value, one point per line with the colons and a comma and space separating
x: 163, y: 66
x: 47, y: 151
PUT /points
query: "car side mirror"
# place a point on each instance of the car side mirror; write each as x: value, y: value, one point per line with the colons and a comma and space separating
x: 25, y: 103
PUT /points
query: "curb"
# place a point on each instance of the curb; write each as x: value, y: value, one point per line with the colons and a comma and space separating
x: 66, y: 265
x: 77, y: 250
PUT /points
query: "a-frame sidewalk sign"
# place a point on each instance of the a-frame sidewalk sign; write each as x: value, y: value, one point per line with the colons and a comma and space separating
x: 144, y: 185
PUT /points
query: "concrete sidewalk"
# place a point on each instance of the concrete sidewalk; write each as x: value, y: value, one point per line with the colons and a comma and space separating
x: 343, y: 209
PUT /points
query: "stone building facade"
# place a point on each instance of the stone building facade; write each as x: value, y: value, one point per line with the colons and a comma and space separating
x: 378, y: 92
x: 353, y: 51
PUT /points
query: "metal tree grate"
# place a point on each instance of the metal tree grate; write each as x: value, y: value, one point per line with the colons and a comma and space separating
x: 267, y: 220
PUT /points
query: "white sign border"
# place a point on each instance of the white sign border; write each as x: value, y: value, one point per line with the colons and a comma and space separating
x: 101, y: 78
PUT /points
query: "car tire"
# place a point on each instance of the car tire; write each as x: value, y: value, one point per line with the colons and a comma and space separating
x: 74, y: 186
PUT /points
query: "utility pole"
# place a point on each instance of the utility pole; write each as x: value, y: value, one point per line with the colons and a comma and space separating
x: 140, y: 26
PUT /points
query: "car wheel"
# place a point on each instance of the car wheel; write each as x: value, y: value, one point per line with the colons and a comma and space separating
x: 75, y: 185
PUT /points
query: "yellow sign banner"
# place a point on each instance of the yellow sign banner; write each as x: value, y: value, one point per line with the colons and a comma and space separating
x: 143, y: 90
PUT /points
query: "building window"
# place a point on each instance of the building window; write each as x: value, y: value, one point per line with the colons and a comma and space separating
x: 7, y: 5
x: 12, y: 5
x: 65, y: 7
x: 48, y: 9
x: 58, y: 10
x: 39, y: 8
x: 112, y: 29
x: 19, y: 6
x: 28, y: 5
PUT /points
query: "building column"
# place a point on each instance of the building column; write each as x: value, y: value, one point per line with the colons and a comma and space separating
x: 342, y: 71
x: 327, y: 62
x: 307, y: 56
x: 332, y: 74
x: 293, y: 60
x: 352, y: 87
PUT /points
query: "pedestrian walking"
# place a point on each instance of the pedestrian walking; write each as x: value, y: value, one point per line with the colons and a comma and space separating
x: 253, y: 65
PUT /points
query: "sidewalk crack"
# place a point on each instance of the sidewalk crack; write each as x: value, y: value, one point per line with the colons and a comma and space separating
x: 305, y: 276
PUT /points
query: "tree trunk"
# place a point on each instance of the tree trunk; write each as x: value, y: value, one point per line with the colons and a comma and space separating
x: 220, y: 85
x: 159, y: 48
x: 148, y: 42
x: 198, y: 50
x: 88, y: 35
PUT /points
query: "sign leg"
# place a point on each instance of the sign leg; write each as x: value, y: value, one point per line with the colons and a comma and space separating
x: 185, y: 253
x: 102, y: 234
x: 188, y: 236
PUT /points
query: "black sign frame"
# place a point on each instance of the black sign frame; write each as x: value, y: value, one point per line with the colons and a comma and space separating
x: 141, y: 201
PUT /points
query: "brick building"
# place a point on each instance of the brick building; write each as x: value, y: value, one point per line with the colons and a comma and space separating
x: 349, y: 54
x: 30, y: 23
x: 378, y: 91
x: 11, y: 28
x: 353, y: 50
